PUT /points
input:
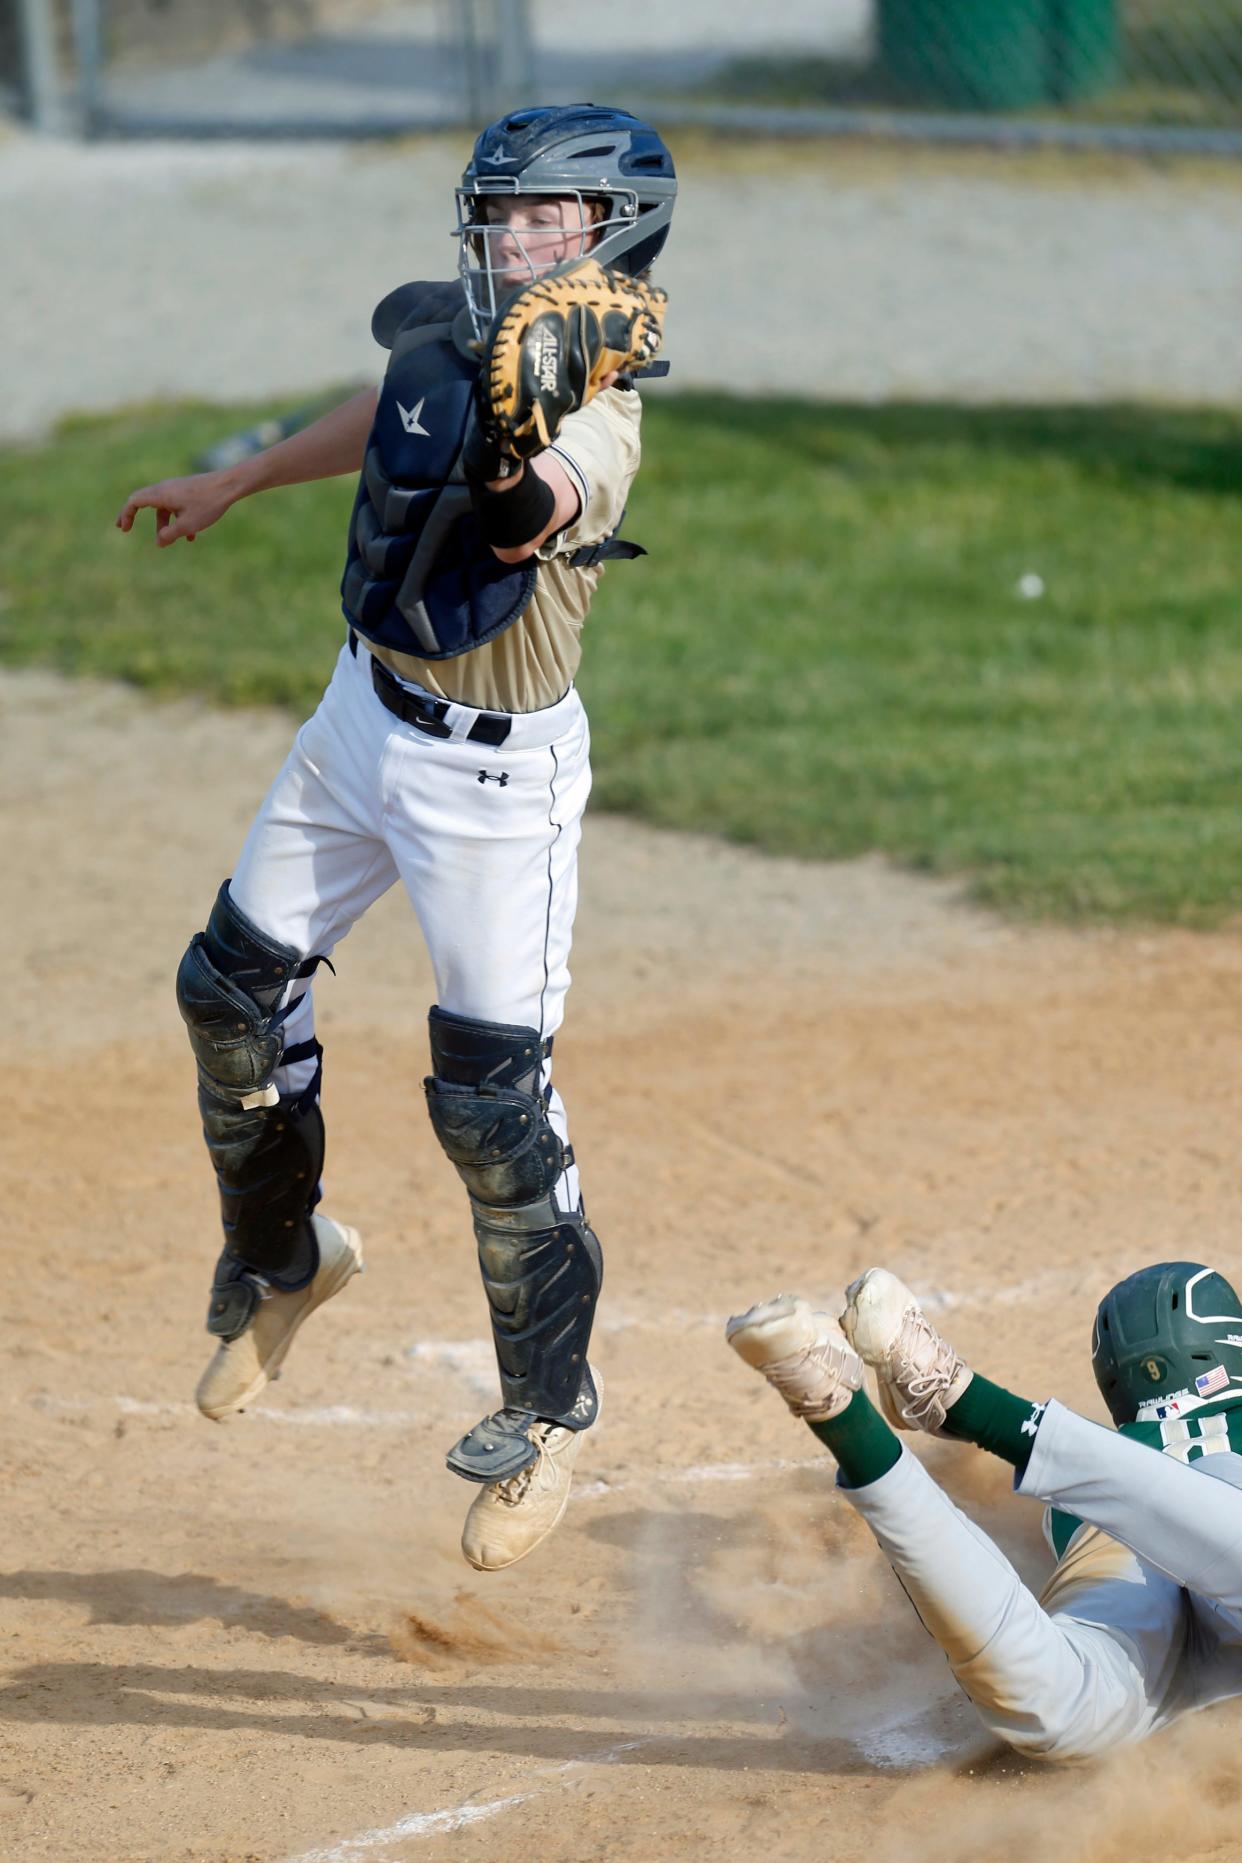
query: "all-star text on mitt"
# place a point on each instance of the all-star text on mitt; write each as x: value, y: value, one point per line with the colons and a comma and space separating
x: 554, y: 343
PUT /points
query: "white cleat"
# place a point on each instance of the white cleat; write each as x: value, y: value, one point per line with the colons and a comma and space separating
x: 242, y: 1366
x: 918, y: 1373
x: 803, y: 1354
x: 508, y: 1519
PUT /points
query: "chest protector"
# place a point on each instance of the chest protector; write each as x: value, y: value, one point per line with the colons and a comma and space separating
x: 418, y: 577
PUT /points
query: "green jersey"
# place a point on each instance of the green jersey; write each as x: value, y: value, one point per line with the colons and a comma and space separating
x: 1216, y: 1429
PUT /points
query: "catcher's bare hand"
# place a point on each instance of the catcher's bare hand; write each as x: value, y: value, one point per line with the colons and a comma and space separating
x: 182, y: 507
x: 556, y: 343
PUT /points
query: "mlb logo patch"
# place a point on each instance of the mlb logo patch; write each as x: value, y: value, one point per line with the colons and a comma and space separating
x: 1212, y: 1381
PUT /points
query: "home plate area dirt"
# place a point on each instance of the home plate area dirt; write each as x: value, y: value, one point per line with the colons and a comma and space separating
x: 258, y: 1640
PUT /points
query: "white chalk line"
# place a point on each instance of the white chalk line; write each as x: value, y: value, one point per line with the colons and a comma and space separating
x: 1055, y: 1282
x: 472, y: 1360
x: 345, y: 1416
x: 415, y: 1824
x: 329, y: 1416
x: 675, y: 1319
x: 457, y: 1817
x: 320, y: 1416
x: 697, y: 1472
x: 894, y: 1743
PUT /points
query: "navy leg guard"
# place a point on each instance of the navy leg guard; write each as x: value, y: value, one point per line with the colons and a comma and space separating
x: 541, y: 1268
x: 266, y: 1149
x: 501, y: 1446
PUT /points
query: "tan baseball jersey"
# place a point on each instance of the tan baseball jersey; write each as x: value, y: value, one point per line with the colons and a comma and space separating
x: 533, y: 663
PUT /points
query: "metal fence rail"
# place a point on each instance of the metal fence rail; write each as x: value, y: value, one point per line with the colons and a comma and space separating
x: 1152, y: 73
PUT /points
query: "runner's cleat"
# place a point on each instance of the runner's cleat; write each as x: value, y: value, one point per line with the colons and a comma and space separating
x: 803, y: 1354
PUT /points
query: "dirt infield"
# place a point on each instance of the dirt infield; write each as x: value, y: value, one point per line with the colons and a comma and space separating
x: 258, y: 1641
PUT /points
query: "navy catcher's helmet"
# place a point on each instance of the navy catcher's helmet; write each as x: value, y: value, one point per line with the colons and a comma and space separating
x: 1166, y: 1341
x: 587, y: 152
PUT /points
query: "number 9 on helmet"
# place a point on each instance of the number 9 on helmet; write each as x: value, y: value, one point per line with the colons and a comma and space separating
x: 1167, y: 1341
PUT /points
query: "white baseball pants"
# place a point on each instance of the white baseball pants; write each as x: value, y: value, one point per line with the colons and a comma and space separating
x: 484, y: 840
x: 1141, y: 1621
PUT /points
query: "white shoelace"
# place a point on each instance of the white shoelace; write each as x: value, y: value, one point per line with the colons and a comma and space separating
x: 789, y: 1374
x: 921, y: 1384
x: 515, y: 1489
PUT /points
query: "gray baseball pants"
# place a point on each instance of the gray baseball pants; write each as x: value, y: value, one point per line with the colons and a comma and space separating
x: 1140, y: 1621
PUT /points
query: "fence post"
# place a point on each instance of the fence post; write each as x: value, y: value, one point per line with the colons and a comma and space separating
x: 467, y: 35
x: 88, y: 56
x: 515, y: 62
x: 40, y: 67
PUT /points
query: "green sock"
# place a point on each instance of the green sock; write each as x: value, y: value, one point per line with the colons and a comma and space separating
x: 994, y: 1419
x: 861, y: 1440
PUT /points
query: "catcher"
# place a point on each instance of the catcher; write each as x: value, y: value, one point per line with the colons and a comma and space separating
x: 1142, y: 1619
x: 450, y: 752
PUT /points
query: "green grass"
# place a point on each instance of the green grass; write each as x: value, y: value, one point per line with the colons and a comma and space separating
x: 826, y: 653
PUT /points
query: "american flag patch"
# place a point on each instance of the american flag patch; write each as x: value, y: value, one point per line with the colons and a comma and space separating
x: 1212, y: 1381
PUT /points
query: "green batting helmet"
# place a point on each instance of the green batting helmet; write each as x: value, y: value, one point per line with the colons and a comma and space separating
x: 1167, y: 1340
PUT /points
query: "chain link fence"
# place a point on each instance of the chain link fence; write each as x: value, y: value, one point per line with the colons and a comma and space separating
x: 264, y: 68
x: 1152, y: 63
x: 1147, y: 72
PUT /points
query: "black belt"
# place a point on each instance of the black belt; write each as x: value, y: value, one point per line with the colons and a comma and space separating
x: 427, y: 714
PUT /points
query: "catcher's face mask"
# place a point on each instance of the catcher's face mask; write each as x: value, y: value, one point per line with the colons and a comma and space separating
x: 509, y: 238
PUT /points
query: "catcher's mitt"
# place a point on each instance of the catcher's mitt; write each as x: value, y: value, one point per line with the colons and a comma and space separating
x: 554, y: 342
